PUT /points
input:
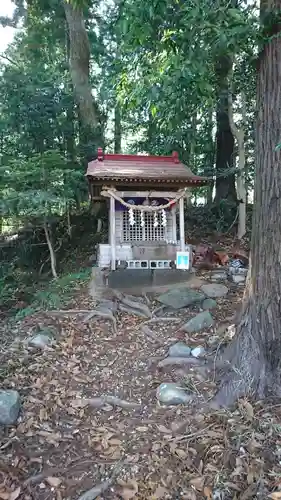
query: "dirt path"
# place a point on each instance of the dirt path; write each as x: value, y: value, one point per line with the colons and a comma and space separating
x: 61, y: 448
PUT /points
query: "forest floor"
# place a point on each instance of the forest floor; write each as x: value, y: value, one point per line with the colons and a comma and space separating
x: 62, y: 447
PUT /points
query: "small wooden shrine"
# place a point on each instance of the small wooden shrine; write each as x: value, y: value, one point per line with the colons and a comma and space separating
x: 146, y: 197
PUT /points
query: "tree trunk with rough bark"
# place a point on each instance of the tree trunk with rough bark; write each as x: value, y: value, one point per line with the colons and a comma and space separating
x: 79, y: 64
x: 255, y: 353
x: 225, y: 180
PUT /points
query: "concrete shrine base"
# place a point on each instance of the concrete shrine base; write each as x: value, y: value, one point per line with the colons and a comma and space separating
x: 140, y: 280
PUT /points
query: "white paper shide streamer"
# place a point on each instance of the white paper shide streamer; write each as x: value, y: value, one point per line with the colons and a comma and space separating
x: 131, y: 217
x: 164, y: 218
x: 155, y: 224
x: 142, y: 221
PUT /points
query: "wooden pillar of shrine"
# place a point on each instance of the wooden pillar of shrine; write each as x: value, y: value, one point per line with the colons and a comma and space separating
x: 182, y: 236
x: 112, y: 235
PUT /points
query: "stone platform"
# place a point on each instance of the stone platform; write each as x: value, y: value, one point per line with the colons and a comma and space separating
x: 141, y: 280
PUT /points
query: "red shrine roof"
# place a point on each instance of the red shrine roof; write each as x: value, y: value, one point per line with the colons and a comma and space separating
x: 118, y: 167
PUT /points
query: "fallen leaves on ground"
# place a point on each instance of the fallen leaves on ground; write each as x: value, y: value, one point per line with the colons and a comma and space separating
x: 62, y: 447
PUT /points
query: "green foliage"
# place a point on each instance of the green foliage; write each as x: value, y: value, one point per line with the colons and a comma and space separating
x: 168, y: 82
x: 58, y: 294
x: 38, y: 187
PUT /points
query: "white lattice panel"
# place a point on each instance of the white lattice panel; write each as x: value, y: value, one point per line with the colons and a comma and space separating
x: 146, y: 233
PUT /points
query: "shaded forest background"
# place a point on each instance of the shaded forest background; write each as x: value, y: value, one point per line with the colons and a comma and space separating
x: 129, y: 76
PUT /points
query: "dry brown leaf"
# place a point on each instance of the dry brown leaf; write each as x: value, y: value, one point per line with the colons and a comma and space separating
x: 129, y: 490
x: 110, y: 451
x: 207, y: 493
x: 4, y: 495
x: 198, y: 483
x: 15, y: 494
x: 53, y: 481
x: 79, y: 403
x: 115, y: 442
x: 276, y: 495
x: 160, y: 492
x: 164, y: 429
x: 180, y: 453
x: 249, y: 409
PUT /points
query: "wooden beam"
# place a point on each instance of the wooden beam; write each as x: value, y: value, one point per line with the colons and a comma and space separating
x: 112, y: 232
x: 182, y: 238
x: 145, y: 194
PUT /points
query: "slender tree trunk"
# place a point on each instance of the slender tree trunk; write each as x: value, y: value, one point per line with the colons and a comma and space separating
x: 225, y: 180
x: 241, y: 189
x: 117, y: 129
x: 51, y: 250
x: 255, y: 353
x: 210, y: 156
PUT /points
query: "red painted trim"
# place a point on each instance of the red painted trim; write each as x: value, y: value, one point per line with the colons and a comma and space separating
x: 142, y: 158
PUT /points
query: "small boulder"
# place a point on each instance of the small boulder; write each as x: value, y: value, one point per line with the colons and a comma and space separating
x: 172, y: 394
x: 214, y: 290
x: 179, y: 350
x: 209, y: 304
x: 238, y: 270
x: 219, y: 276
x: 197, y: 352
x: 199, y: 322
x: 41, y: 340
x: 9, y: 407
x: 239, y: 279
x: 181, y: 297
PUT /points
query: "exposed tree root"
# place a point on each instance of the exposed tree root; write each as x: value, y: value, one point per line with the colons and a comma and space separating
x: 98, y: 490
x: 163, y: 320
x: 132, y: 311
x: 63, y: 312
x: 245, y: 371
x: 158, y: 310
x: 133, y: 306
x: 102, y: 314
x: 150, y: 334
x: 101, y: 401
x: 179, y: 361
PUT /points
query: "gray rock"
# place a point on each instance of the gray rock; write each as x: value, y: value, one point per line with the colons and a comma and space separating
x: 180, y: 349
x: 181, y: 297
x: 9, y: 407
x: 219, y: 276
x: 239, y: 279
x: 172, y: 394
x: 197, y: 352
x: 209, y: 304
x: 238, y: 270
x: 214, y: 290
x: 199, y: 322
x: 41, y: 340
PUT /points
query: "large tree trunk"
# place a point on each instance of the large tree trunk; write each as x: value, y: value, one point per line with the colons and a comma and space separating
x: 255, y: 353
x: 79, y: 64
x: 225, y: 180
